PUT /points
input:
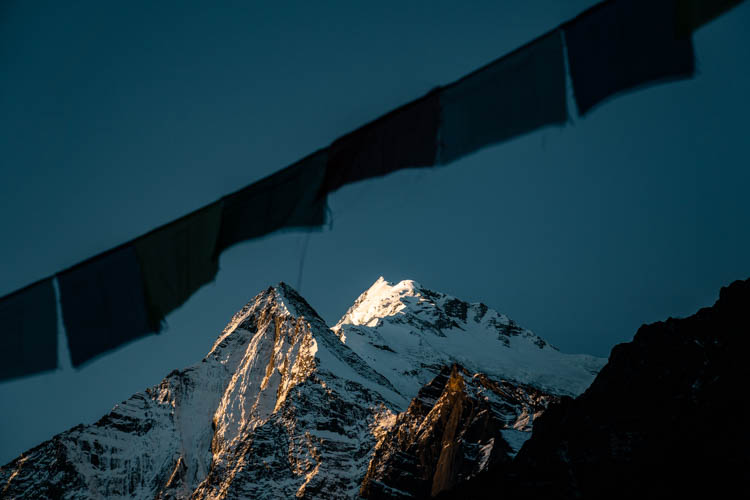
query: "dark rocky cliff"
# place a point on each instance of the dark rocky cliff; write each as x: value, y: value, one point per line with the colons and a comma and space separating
x: 667, y: 417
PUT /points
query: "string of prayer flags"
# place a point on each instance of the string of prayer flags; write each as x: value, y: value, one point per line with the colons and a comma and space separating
x: 692, y: 14
x: 623, y: 44
x: 177, y: 259
x: 125, y: 293
x: 405, y: 137
x: 287, y: 199
x: 28, y: 339
x: 516, y: 94
x: 103, y: 304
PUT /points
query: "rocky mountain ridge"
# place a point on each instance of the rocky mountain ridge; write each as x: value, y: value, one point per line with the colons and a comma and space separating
x: 665, y: 418
x: 283, y: 407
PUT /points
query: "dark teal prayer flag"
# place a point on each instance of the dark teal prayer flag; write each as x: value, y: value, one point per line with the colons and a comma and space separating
x: 103, y: 304
x: 623, y: 44
x: 692, y: 14
x: 517, y: 94
x: 405, y: 137
x: 177, y: 259
x: 28, y: 331
x: 290, y: 198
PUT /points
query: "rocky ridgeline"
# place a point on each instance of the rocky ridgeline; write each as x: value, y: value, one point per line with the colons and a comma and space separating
x: 666, y: 418
x: 282, y: 407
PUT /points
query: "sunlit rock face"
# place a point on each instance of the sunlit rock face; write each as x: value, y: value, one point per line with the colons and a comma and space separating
x: 458, y: 426
x: 665, y: 418
x: 279, y: 407
x: 282, y: 406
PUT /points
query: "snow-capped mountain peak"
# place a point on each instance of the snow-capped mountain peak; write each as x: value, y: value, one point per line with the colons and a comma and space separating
x: 282, y: 298
x: 408, y: 301
x: 408, y: 332
x: 279, y: 407
x: 382, y: 299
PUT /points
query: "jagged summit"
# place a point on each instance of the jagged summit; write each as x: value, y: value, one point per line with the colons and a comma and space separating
x: 282, y: 296
x: 408, y: 332
x: 409, y: 301
x: 382, y: 299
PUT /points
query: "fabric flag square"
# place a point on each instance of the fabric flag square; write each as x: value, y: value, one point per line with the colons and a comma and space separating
x: 287, y: 199
x: 177, y: 259
x: 103, y: 304
x: 519, y: 93
x: 623, y: 44
x: 692, y: 14
x: 28, y: 331
x: 405, y: 137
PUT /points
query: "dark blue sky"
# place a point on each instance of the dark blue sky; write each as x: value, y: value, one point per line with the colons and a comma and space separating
x: 117, y: 119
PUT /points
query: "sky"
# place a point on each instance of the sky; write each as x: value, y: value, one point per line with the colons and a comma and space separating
x: 117, y: 118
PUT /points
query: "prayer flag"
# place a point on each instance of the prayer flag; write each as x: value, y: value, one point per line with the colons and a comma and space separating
x: 103, y: 304
x: 177, y: 259
x: 28, y: 331
x: 692, y: 14
x: 289, y: 198
x: 516, y: 94
x: 623, y: 44
x: 405, y: 137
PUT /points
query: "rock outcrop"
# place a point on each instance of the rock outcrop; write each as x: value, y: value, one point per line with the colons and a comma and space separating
x: 665, y: 418
x: 454, y: 429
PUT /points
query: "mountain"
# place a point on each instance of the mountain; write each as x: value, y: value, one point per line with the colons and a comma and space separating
x: 279, y: 407
x: 282, y: 406
x: 665, y: 418
x: 409, y: 332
